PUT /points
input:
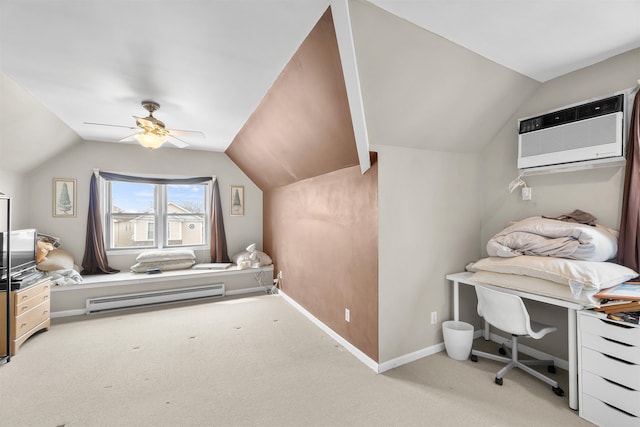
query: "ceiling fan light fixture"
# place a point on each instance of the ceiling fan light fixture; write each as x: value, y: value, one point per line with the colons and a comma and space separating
x: 150, y: 140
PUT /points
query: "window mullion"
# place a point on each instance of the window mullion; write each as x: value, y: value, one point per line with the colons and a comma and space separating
x: 161, y: 203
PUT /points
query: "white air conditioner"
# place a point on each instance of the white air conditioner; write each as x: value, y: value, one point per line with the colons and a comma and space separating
x: 580, y: 135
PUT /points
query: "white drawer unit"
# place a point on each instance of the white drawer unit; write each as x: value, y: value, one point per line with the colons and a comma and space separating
x: 609, y: 380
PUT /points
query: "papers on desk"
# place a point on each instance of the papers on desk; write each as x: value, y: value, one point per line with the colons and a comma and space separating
x: 622, y: 302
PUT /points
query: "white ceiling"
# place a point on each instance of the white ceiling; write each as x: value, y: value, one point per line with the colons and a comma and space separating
x: 209, y: 63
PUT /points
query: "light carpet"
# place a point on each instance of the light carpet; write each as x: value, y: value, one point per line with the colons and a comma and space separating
x: 251, y: 361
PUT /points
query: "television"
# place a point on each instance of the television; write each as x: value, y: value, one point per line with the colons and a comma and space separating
x: 23, y: 251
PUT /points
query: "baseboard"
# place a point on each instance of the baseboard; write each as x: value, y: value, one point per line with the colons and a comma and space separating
x: 336, y: 337
x: 67, y: 313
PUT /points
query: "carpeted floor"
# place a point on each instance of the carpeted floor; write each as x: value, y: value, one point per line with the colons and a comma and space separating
x: 252, y: 361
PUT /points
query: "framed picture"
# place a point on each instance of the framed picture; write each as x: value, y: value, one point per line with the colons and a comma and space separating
x: 64, y: 197
x: 237, y: 200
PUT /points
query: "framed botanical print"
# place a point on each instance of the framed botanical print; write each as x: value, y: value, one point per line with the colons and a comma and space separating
x: 64, y: 197
x: 237, y: 200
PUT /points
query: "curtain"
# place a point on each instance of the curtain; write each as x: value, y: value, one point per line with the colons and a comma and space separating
x: 218, y: 249
x: 95, y: 256
x: 629, y: 239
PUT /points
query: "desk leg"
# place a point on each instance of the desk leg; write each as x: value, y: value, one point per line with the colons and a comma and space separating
x: 456, y: 301
x: 573, y: 358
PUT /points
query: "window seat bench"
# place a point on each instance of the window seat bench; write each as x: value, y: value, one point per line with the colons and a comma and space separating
x: 71, y: 300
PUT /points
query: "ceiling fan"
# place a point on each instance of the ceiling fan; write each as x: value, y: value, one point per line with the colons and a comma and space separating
x: 151, y: 132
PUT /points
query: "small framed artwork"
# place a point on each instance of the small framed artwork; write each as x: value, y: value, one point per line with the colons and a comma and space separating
x: 237, y: 200
x: 64, y: 197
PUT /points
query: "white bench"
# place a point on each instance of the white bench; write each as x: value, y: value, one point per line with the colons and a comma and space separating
x: 72, y: 300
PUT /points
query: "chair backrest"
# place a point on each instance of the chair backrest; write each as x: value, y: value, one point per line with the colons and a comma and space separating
x: 504, y: 311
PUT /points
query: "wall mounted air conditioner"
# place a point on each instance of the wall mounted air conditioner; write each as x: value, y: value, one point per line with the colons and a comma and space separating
x: 579, y: 135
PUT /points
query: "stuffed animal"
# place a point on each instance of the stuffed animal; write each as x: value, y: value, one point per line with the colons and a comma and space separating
x: 43, y: 249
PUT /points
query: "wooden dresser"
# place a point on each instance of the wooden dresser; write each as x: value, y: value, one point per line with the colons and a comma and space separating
x: 29, y: 314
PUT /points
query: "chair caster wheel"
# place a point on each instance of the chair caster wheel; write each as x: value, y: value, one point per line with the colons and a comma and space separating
x: 558, y: 391
x: 474, y: 358
x: 551, y: 369
x: 499, y: 381
x: 502, y: 351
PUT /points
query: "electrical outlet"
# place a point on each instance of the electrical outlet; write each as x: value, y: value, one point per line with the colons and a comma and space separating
x: 434, y: 317
x: 526, y: 193
x: 347, y: 315
x: 280, y: 274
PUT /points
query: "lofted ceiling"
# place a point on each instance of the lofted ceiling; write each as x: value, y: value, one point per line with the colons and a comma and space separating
x: 210, y: 63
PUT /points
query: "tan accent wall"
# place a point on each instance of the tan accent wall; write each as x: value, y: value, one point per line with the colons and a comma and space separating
x: 320, y: 213
x: 302, y: 128
x: 323, y: 235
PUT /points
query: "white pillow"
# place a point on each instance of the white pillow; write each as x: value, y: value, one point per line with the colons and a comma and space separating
x: 177, y: 264
x: 262, y: 258
x: 588, y: 274
x: 165, y: 255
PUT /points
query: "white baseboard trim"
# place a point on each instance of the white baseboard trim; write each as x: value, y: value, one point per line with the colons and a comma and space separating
x: 67, y: 313
x: 336, y: 337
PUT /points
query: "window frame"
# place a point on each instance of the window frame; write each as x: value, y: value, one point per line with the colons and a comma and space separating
x: 160, y: 215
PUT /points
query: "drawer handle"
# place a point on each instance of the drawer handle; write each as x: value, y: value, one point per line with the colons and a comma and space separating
x: 620, y: 325
x: 618, y: 359
x: 618, y: 384
x: 620, y: 410
x: 23, y: 325
x: 24, y: 308
x: 617, y: 342
x: 46, y: 297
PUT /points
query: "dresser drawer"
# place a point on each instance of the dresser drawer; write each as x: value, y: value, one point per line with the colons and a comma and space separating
x: 24, y: 295
x: 605, y: 415
x: 622, y: 398
x: 621, y: 350
x: 611, y: 368
x: 29, y: 320
x: 618, y: 331
x: 29, y: 303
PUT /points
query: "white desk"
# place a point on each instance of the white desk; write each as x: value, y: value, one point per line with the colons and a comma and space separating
x: 572, y: 337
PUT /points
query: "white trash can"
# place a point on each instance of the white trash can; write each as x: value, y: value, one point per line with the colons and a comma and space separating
x: 458, y: 337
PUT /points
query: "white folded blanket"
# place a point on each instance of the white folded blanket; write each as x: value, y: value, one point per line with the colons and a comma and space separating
x: 549, y: 237
x: 65, y: 277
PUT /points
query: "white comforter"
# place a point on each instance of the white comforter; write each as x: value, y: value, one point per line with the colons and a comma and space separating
x: 550, y: 237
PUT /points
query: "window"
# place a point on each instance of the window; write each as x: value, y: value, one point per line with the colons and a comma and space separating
x: 154, y: 215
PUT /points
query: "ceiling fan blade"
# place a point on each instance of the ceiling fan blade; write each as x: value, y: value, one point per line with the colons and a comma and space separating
x: 177, y: 142
x: 129, y: 138
x: 106, y: 124
x: 190, y: 133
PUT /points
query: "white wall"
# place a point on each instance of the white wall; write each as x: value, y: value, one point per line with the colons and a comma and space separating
x: 597, y: 191
x: 14, y: 184
x: 79, y: 161
x: 428, y: 227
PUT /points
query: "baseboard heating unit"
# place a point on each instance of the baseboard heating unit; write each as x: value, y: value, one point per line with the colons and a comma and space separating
x: 117, y: 302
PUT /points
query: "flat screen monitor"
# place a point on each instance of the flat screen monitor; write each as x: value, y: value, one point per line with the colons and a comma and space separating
x: 23, y: 251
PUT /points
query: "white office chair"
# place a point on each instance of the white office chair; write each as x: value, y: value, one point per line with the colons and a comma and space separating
x: 508, y: 313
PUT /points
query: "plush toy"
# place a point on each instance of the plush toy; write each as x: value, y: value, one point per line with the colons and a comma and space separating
x: 43, y: 249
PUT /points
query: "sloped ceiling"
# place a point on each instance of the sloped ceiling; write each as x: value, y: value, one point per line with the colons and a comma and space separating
x: 423, y: 91
x: 29, y: 132
x: 209, y: 63
x: 302, y: 128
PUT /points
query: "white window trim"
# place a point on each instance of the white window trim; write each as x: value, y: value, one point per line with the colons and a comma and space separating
x: 105, y: 199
